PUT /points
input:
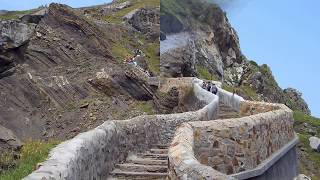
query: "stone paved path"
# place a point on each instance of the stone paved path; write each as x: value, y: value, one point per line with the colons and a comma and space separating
x: 226, y: 112
x: 150, y: 165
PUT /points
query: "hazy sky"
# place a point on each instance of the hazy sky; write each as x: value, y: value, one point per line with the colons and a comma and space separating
x: 285, y: 34
x: 281, y: 33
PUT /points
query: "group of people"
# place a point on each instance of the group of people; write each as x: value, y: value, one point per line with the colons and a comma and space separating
x: 209, y: 86
x: 129, y: 59
x: 132, y: 60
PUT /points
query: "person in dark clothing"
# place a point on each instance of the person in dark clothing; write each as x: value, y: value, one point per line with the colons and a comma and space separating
x: 204, y: 85
x: 214, y: 89
x: 208, y: 86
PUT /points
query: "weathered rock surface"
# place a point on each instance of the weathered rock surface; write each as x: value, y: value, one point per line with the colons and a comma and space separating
x: 167, y: 103
x: 14, y: 34
x: 146, y: 21
x: 302, y: 177
x: 296, y: 100
x: 48, y: 76
x: 8, y: 141
x: 315, y: 143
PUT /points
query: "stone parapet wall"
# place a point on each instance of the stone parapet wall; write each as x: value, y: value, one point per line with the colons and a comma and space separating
x: 248, y: 108
x: 93, y: 154
x: 232, y: 145
x: 230, y: 99
x: 182, y: 162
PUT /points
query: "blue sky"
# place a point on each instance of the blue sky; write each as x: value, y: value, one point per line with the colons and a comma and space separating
x: 285, y: 35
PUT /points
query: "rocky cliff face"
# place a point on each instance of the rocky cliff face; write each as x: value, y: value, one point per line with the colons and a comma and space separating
x: 198, y: 40
x: 62, y: 70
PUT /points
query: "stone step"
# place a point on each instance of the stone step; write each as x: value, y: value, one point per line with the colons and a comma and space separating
x: 159, y: 151
x: 161, y: 146
x: 228, y: 114
x: 224, y: 107
x: 137, y: 175
x: 142, y: 168
x: 148, y: 161
x: 154, y: 156
x: 227, y: 117
x: 227, y: 110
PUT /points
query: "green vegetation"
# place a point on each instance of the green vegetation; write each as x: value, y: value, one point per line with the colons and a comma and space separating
x: 172, y: 7
x: 16, y: 14
x: 311, y: 155
x: 192, y: 13
x: 301, y: 118
x: 266, y: 71
x: 32, y: 153
x: 205, y: 74
x: 146, y: 107
x: 243, y: 90
x: 308, y: 156
x: 120, y: 52
x: 250, y: 92
x: 254, y: 63
x: 136, y: 4
x: 151, y: 50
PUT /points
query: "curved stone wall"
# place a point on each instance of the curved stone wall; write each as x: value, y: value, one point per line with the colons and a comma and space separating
x: 230, y: 99
x: 183, y: 163
x: 93, y: 154
x: 230, y: 146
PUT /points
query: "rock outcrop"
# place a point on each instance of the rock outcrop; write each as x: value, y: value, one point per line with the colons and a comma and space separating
x: 14, y: 34
x: 315, y: 143
x: 49, y: 64
x: 8, y: 141
x: 295, y: 99
x: 146, y: 21
x: 211, y: 50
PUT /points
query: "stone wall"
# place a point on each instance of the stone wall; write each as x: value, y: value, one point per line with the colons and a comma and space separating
x: 235, y: 145
x: 183, y: 164
x: 93, y: 154
x: 230, y: 99
x: 248, y: 108
x: 230, y: 146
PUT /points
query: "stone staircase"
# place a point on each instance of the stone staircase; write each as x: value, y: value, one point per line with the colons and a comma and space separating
x: 152, y: 164
x: 226, y: 112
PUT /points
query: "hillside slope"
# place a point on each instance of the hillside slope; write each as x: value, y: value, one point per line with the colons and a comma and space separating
x: 199, y: 41
x: 62, y: 70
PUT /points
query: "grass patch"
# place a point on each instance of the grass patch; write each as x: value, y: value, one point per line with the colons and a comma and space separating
x: 255, y: 64
x: 151, y: 50
x: 205, y: 74
x: 136, y: 4
x: 250, y: 92
x: 33, y: 152
x: 120, y: 53
x: 16, y: 14
x: 266, y: 71
x: 243, y: 90
x: 300, y: 118
x: 145, y: 106
x: 309, y: 155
